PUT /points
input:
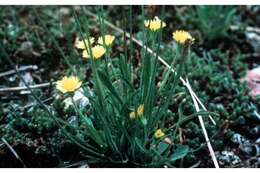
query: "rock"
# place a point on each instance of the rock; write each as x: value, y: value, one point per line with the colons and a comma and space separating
x: 246, y: 146
x: 79, y: 98
x: 257, y: 141
x: 29, y: 81
x: 253, y: 79
x: 255, y: 131
x: 228, y: 158
x: 26, y: 49
x: 73, y: 121
x: 254, y: 39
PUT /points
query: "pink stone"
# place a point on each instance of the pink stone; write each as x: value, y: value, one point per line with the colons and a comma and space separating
x: 253, y: 79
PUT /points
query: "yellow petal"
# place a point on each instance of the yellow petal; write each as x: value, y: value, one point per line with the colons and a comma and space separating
x: 108, y: 39
x: 140, y: 110
x: 181, y: 36
x: 158, y: 133
x: 85, y: 54
x: 59, y: 87
x: 132, y: 115
x: 154, y: 24
x: 98, y: 51
x: 68, y: 84
x: 83, y: 44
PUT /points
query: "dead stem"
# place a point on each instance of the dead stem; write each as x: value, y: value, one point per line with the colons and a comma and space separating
x: 42, y: 85
x: 24, y: 68
x: 13, y: 151
x: 203, y: 126
x: 248, y: 28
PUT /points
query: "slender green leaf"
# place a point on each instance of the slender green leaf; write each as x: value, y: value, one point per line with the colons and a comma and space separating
x: 180, y: 152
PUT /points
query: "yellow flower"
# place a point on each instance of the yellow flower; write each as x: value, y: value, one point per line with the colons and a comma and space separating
x: 132, y: 115
x: 97, y: 52
x: 154, y: 24
x: 80, y: 43
x: 158, y: 133
x: 140, y: 112
x: 181, y: 36
x: 68, y: 84
x: 108, y: 39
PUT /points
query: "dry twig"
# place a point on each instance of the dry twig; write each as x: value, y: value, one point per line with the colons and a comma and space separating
x: 248, y: 28
x: 202, y: 125
x: 24, y: 68
x: 13, y: 151
x: 24, y: 87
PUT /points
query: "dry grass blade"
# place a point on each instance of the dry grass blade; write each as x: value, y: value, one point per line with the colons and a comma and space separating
x: 201, y: 104
x: 24, y: 87
x: 203, y: 126
x: 13, y: 151
x: 248, y: 29
x: 29, y: 67
x: 196, y: 100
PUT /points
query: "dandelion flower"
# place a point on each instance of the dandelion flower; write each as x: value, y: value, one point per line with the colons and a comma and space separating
x: 132, y: 115
x: 140, y: 110
x: 80, y: 43
x: 158, y: 133
x: 97, y: 52
x: 108, y: 39
x: 139, y: 113
x: 154, y: 24
x: 181, y: 36
x: 68, y: 84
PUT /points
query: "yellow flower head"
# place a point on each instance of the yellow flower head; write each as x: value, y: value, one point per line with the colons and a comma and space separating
x: 154, y: 24
x: 80, y: 43
x: 68, y: 84
x: 181, y: 36
x: 132, y: 115
x: 158, y: 133
x: 108, y: 39
x: 97, y: 52
x: 140, y: 112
